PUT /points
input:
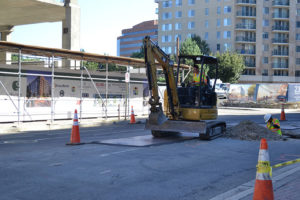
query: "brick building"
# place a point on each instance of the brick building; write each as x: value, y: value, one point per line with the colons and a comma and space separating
x: 132, y: 38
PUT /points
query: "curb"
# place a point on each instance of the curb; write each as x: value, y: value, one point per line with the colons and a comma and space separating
x: 14, y: 128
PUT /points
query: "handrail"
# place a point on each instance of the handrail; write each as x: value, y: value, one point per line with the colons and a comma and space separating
x: 70, y: 54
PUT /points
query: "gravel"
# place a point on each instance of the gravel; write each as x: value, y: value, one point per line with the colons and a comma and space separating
x: 249, y: 130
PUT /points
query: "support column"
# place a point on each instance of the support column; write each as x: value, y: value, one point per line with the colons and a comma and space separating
x: 5, y: 32
x: 71, y: 30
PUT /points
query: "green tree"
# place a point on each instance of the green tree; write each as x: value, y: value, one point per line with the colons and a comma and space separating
x: 204, y: 48
x: 140, y: 54
x: 189, y: 47
x: 231, y: 65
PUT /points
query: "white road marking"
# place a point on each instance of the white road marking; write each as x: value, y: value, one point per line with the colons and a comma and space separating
x: 117, y: 152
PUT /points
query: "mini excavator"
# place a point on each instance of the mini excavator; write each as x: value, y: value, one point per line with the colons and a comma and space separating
x: 186, y: 108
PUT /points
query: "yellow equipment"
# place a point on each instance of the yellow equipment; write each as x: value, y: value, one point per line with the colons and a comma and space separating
x: 185, y: 107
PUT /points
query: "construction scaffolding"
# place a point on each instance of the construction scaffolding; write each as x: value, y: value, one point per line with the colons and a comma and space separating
x: 36, y: 84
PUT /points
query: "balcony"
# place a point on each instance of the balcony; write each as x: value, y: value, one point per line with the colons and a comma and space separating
x: 280, y: 53
x: 246, y: 26
x: 246, y: 2
x: 280, y: 28
x: 280, y: 3
x: 280, y: 66
x: 280, y: 16
x: 250, y: 64
x: 245, y: 39
x: 246, y: 51
x: 280, y: 40
x: 245, y: 14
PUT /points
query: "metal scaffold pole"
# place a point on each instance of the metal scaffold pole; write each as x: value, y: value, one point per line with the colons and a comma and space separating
x: 19, y: 81
x: 106, y: 89
x: 52, y: 90
x: 81, y: 89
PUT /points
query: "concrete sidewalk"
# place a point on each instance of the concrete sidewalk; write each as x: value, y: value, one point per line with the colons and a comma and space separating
x: 286, y: 184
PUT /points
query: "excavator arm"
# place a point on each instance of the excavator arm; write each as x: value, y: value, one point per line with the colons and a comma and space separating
x: 154, y: 53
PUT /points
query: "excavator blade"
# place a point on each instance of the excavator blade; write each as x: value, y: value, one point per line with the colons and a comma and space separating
x: 177, y: 126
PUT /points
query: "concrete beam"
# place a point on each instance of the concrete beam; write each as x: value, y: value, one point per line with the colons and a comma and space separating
x: 21, y: 12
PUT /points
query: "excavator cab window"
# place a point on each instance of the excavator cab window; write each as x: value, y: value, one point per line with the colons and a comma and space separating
x: 199, y: 94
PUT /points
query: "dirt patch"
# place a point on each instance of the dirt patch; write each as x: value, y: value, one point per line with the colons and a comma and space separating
x: 249, y: 130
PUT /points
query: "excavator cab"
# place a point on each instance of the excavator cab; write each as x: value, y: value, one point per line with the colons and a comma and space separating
x: 197, y: 102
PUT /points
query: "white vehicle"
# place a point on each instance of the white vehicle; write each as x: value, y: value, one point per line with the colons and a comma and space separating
x: 222, y: 90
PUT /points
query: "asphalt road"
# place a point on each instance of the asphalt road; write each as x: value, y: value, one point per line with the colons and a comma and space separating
x: 38, y: 165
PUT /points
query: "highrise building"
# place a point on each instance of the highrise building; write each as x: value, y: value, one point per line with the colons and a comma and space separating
x: 265, y: 32
x: 132, y: 39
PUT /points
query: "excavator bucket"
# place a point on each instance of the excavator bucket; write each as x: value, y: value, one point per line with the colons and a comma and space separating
x: 157, y: 118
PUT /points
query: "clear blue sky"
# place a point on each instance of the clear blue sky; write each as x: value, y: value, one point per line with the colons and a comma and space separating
x: 101, y: 24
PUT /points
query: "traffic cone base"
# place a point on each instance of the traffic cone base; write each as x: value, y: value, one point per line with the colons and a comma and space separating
x: 263, y: 190
x: 132, y: 117
x: 75, y: 136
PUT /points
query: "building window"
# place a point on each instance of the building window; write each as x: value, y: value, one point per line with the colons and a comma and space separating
x: 166, y: 27
x: 191, y: 25
x: 177, y: 36
x: 218, y: 22
x: 206, y: 11
x: 227, y: 34
x: 265, y: 35
x: 178, y: 2
x: 167, y: 15
x: 298, y: 24
x: 227, y: 22
x: 265, y: 22
x: 191, y: 2
x: 227, y: 9
x: 227, y: 46
x: 218, y: 47
x: 206, y: 36
x: 297, y: 73
x: 297, y: 61
x: 266, y: 10
x: 178, y: 14
x: 297, y: 36
x: 166, y: 38
x: 266, y: 60
x: 206, y: 23
x: 250, y: 72
x: 265, y: 72
x: 191, y: 13
x: 218, y: 35
x: 298, y: 12
x: 218, y: 10
x: 178, y: 26
x: 280, y: 73
x: 190, y: 35
x: 167, y: 4
x: 297, y: 49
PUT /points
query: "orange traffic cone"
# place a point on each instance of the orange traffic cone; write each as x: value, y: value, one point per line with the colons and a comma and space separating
x: 263, y: 184
x: 132, y: 118
x: 282, y: 116
x: 75, y: 137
